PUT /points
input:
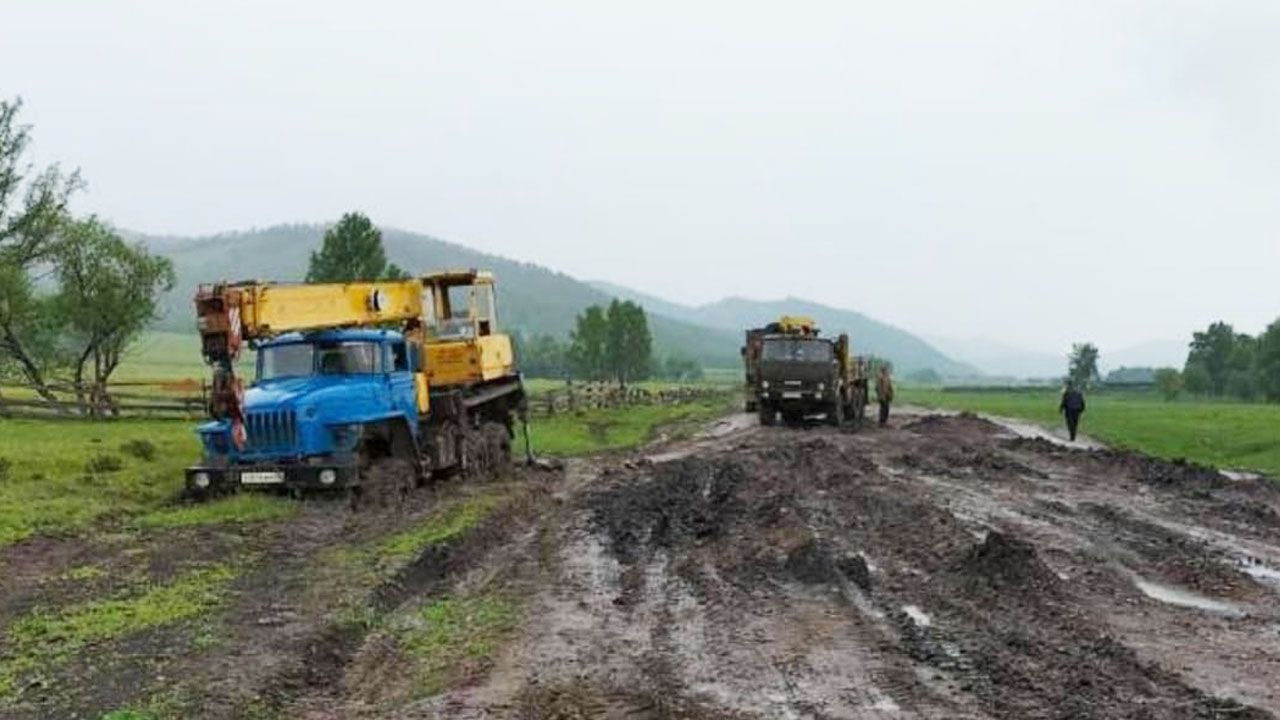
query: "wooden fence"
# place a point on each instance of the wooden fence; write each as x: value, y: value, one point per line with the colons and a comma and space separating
x: 594, y: 396
x: 188, y: 398
x: 185, y: 398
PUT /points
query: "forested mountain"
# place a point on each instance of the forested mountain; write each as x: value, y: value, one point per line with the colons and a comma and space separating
x: 531, y: 298
x: 908, y: 352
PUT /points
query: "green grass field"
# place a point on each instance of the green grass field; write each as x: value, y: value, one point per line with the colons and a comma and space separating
x: 1224, y: 434
x: 62, y: 476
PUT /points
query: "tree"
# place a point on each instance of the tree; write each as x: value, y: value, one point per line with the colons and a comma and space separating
x: 1082, y: 365
x: 1268, y: 362
x: 1195, y: 379
x: 31, y: 211
x: 352, y: 251
x: 108, y: 292
x: 629, y: 347
x: 588, y: 344
x: 1212, y: 351
x: 681, y: 369
x: 541, y: 356
x: 1169, y: 381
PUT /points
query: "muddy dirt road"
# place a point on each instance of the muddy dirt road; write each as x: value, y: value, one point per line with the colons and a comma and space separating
x: 939, y: 568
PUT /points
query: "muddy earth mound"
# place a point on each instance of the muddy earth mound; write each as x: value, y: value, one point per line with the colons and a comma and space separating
x: 964, y: 424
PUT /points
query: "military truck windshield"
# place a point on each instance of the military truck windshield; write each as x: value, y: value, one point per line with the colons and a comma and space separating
x: 330, y: 358
x: 781, y: 350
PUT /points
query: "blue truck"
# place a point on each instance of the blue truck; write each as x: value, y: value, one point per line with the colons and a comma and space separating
x: 355, y: 382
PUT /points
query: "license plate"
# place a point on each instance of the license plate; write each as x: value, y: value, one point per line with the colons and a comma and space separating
x: 792, y: 395
x: 261, y: 478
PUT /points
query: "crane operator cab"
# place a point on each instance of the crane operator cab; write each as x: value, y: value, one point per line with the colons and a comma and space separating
x: 462, y: 344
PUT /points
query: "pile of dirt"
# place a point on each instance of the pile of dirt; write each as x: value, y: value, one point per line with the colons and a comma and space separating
x: 1003, y: 565
x: 687, y: 500
x: 965, y: 424
x: 816, y: 562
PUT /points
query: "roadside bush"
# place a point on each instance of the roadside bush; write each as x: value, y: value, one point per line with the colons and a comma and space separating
x: 140, y: 448
x: 102, y: 463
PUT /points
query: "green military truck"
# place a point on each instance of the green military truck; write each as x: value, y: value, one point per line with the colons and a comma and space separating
x: 799, y: 374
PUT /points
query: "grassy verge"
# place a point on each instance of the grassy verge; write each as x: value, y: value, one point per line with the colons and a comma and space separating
x: 242, y: 507
x: 1231, y: 435
x: 613, y: 429
x: 59, y: 476
x: 450, y: 636
x: 42, y: 640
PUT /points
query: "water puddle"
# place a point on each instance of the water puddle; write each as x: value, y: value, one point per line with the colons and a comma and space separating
x: 917, y: 615
x: 1260, y: 572
x: 1183, y: 598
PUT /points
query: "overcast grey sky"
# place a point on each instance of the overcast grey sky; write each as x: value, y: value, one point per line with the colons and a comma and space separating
x: 1034, y: 171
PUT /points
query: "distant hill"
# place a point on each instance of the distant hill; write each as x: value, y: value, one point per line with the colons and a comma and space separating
x: 1001, y: 359
x: 908, y: 352
x: 531, y: 298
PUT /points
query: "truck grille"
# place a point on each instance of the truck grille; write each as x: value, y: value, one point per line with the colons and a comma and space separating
x: 274, y: 430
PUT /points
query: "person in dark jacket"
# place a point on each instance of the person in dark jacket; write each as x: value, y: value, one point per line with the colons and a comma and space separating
x: 884, y: 393
x: 1072, y: 407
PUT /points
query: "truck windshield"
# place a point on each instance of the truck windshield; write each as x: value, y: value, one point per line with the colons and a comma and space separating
x: 797, y: 351
x: 328, y: 358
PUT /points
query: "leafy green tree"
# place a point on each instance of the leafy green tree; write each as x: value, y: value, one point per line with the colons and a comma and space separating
x: 1196, y: 380
x: 32, y: 208
x: 1269, y: 362
x: 629, y: 345
x: 1082, y: 365
x: 1169, y: 382
x: 352, y: 251
x: 541, y: 356
x: 588, y: 345
x: 1212, y: 351
x: 108, y: 293
x: 681, y: 369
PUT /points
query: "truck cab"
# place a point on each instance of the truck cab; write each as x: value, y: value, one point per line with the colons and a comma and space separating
x: 309, y: 412
x: 800, y: 374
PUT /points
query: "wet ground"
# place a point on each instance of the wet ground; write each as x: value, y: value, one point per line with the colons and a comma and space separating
x: 944, y: 567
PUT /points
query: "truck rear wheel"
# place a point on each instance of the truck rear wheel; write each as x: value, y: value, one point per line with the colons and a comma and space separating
x: 835, y: 415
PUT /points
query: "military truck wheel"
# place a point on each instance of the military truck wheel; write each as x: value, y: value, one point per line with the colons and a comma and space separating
x: 768, y: 416
x: 835, y: 415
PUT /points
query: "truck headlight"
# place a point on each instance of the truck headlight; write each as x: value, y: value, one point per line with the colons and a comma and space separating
x: 764, y: 384
x: 821, y: 387
x: 328, y: 476
x: 201, y: 480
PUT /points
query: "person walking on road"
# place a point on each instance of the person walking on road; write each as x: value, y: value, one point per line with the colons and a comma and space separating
x: 1072, y: 407
x: 884, y: 393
